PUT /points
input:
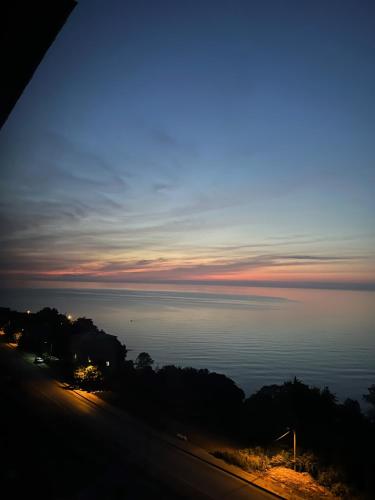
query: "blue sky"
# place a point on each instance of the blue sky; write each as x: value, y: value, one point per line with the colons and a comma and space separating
x: 196, y: 141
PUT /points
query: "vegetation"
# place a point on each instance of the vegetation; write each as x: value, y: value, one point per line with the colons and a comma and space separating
x: 260, y: 460
x: 44, y: 331
x: 49, y: 455
x: 370, y: 399
x: 248, y: 459
x: 335, y: 440
x: 88, y: 377
x: 143, y: 361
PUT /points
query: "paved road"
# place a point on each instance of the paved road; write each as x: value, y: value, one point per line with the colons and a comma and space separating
x: 161, y: 458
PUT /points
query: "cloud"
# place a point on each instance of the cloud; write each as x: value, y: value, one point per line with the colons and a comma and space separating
x: 160, y: 187
x: 164, y: 138
x: 317, y: 285
x: 100, y: 222
x: 78, y: 266
x: 122, y: 266
x: 320, y: 258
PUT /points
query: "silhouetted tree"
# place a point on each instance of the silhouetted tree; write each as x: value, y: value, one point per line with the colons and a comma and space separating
x: 293, y: 404
x: 370, y: 398
x: 84, y: 325
x: 199, y: 394
x: 143, y: 361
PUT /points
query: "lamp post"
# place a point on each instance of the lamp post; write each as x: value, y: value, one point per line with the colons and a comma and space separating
x: 294, y: 445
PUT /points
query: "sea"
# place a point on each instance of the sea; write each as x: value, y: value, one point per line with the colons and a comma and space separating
x: 256, y: 336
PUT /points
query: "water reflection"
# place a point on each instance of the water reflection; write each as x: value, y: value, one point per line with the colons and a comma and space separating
x: 256, y: 336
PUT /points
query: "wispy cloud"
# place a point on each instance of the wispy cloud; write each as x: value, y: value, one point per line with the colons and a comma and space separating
x: 76, y: 267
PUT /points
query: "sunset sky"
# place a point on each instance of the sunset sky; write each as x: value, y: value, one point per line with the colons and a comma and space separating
x: 196, y: 141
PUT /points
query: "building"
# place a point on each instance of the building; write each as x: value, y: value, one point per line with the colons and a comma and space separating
x: 28, y: 28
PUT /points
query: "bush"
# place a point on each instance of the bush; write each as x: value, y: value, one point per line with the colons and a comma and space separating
x: 258, y: 460
x: 307, y: 462
x: 342, y: 491
x: 329, y: 477
x: 88, y: 377
x: 282, y: 459
x: 249, y: 459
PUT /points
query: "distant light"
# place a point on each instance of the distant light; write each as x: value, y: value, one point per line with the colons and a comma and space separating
x: 107, y: 363
x: 70, y: 317
x: 28, y: 311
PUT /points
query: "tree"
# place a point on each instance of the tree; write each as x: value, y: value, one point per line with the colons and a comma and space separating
x: 88, y: 377
x: 370, y: 398
x: 143, y: 360
x: 84, y: 325
x: 295, y: 405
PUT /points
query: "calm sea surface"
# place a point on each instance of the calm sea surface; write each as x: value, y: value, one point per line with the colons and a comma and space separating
x: 256, y: 336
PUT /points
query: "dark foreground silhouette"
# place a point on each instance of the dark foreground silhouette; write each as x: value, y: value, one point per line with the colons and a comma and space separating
x: 338, y: 438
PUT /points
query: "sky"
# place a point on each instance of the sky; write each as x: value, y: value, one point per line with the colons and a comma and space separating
x: 196, y: 141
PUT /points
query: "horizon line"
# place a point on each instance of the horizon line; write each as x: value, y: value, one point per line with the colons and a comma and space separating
x: 317, y: 285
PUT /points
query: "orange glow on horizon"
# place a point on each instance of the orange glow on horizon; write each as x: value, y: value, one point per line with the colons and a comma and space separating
x: 262, y: 269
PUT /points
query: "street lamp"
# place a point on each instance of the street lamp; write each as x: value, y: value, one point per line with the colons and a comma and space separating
x: 294, y: 444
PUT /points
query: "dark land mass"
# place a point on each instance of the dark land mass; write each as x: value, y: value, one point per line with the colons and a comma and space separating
x: 47, y: 453
x: 335, y: 440
x: 59, y: 444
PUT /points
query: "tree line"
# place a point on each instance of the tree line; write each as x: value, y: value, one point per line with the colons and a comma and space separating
x: 340, y: 433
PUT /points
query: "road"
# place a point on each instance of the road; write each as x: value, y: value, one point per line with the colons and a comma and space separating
x: 161, y: 458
